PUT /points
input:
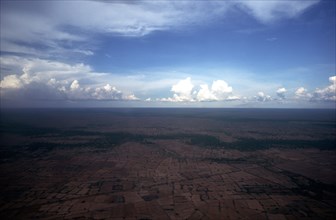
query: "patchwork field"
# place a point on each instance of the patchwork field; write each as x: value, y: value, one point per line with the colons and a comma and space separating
x: 168, y: 164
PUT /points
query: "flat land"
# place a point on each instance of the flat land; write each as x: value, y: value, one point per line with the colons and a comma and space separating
x: 167, y: 164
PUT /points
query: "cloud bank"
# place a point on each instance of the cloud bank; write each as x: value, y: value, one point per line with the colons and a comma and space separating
x: 40, y: 79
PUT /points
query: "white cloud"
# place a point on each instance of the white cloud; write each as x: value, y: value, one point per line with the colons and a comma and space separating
x: 233, y: 98
x: 220, y: 90
x: 302, y: 93
x: 281, y: 92
x: 45, y: 79
x: 74, y: 85
x: 42, y: 70
x: 204, y: 94
x: 325, y: 94
x: 169, y: 99
x: 11, y: 82
x: 328, y: 93
x: 262, y: 97
x: 131, y: 97
x: 105, y: 92
x: 182, y: 90
x: 272, y: 10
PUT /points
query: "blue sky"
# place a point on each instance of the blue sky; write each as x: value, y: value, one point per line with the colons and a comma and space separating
x: 278, y: 54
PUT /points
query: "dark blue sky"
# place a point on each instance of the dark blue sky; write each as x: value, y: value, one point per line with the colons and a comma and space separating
x: 289, y: 43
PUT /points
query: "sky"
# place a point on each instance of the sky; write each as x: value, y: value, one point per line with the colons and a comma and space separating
x: 244, y: 54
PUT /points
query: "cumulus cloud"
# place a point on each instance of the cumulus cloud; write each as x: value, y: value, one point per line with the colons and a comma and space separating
x: 205, y: 94
x: 262, y: 97
x: 42, y: 69
x: 328, y: 93
x: 220, y: 90
x: 233, y: 98
x: 50, y: 80
x: 183, y: 92
x: 302, y: 93
x: 74, y: 85
x: 15, y: 88
x: 332, y: 79
x: 11, y: 82
x: 281, y: 93
x: 325, y: 94
x: 131, y: 97
x: 54, y: 89
x: 106, y: 92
